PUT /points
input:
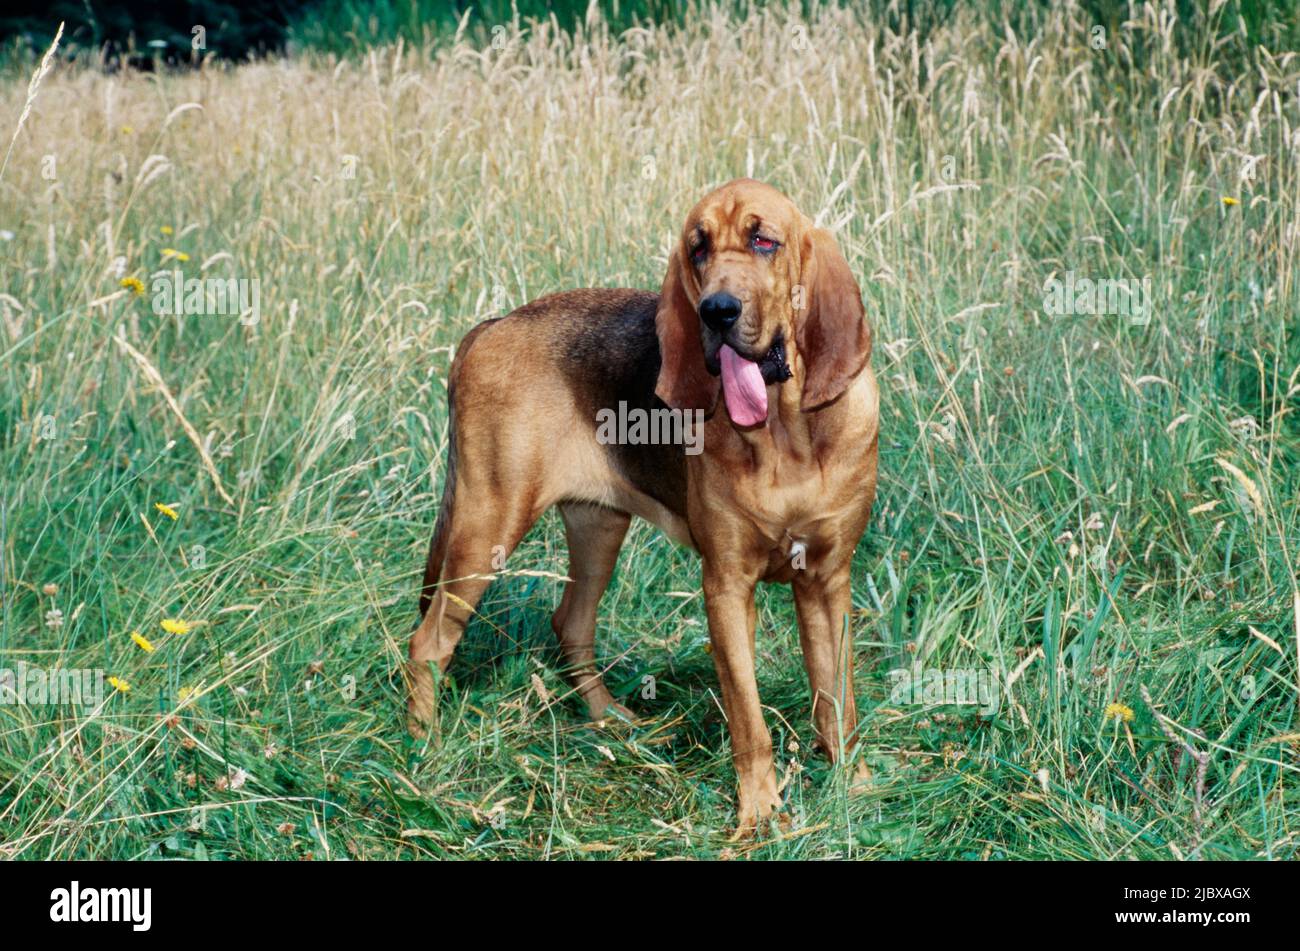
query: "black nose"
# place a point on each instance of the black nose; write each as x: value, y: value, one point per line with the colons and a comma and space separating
x: 720, y: 311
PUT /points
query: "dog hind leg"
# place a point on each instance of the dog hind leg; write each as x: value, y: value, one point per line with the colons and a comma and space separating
x: 481, y: 529
x: 595, y: 535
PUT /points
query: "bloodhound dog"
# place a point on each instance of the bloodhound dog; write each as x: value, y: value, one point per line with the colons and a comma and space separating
x: 758, y: 305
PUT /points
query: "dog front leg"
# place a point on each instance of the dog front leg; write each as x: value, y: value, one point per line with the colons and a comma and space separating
x: 729, y: 603
x: 823, y: 604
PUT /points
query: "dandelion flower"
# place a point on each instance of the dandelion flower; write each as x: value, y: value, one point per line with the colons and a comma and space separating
x: 166, y: 229
x: 185, y: 693
x: 1118, y: 711
x: 134, y: 285
x: 1229, y: 201
x: 173, y: 253
x: 120, y: 685
x: 175, y: 626
x: 127, y: 130
x: 166, y: 510
x: 142, y: 642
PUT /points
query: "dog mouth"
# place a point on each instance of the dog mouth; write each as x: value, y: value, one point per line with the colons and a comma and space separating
x: 745, y: 379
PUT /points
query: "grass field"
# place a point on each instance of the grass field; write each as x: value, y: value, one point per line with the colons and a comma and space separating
x: 1087, y: 505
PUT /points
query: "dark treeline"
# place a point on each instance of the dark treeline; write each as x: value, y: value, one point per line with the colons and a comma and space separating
x: 147, y: 32
x: 148, y: 29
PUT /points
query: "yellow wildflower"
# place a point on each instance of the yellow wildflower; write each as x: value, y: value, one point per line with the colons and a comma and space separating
x: 166, y: 510
x: 173, y: 253
x: 175, y: 626
x: 1230, y: 201
x: 142, y: 642
x: 121, y: 686
x: 133, y: 284
x: 127, y: 130
x: 166, y: 229
x: 1118, y: 711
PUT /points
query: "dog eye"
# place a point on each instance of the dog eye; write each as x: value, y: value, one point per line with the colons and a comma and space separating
x: 766, y: 245
x: 700, y: 253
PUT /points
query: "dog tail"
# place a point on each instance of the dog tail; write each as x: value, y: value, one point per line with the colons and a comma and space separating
x: 442, y: 527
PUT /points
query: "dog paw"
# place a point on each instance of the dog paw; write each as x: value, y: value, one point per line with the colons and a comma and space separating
x: 862, y: 781
x: 419, y: 714
x: 755, y: 812
x: 611, y: 714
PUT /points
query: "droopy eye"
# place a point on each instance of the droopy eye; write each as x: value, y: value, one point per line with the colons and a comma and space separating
x: 765, y: 245
x: 700, y: 252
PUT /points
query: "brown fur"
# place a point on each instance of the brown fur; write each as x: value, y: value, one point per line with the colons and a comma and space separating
x: 524, y: 394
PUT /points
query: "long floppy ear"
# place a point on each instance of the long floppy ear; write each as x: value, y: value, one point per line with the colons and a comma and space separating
x: 834, y: 337
x: 683, y: 382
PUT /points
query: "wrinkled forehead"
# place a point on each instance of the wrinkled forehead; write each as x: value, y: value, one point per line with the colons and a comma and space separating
x: 742, y: 208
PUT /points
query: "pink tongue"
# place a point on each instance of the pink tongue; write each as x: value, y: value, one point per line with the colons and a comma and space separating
x: 742, y: 382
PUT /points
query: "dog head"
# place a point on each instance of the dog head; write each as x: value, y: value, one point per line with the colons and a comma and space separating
x: 755, y: 294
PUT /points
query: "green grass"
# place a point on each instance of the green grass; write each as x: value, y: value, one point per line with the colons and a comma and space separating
x: 1044, y: 479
